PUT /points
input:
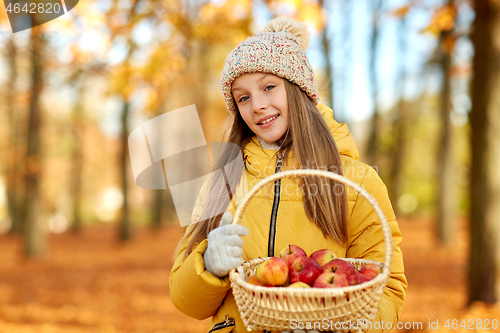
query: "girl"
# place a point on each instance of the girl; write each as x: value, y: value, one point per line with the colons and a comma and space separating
x: 269, y: 87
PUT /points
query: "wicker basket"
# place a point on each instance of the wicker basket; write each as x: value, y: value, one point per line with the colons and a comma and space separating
x: 275, y: 308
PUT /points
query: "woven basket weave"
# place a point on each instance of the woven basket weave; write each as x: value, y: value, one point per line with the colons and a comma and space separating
x: 274, y: 308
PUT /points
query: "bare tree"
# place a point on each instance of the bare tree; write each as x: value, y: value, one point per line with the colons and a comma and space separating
x: 77, y: 161
x: 125, y: 226
x: 14, y: 169
x: 347, y: 8
x: 34, y: 242
x: 125, y: 231
x: 373, y: 142
x: 484, y: 117
x: 402, y: 118
x: 445, y: 195
x: 325, y: 41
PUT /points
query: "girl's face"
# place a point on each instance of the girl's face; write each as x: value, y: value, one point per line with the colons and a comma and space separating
x: 263, y: 105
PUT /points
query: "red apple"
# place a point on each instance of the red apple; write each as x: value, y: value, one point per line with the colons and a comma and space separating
x: 360, y: 278
x: 304, y: 269
x: 352, y: 279
x: 342, y: 267
x: 290, y: 253
x: 323, y: 256
x: 370, y: 270
x: 273, y: 271
x: 330, y: 280
x: 338, y: 266
x: 299, y: 285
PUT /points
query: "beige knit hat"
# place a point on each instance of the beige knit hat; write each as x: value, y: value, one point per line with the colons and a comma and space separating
x: 280, y: 50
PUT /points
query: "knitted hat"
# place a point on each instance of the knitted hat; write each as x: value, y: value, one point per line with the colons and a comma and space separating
x: 279, y: 50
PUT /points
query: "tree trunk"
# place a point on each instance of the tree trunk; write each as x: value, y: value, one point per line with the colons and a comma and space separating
x: 77, y: 161
x: 34, y: 242
x: 403, y: 113
x: 373, y: 141
x: 347, y: 7
x: 484, y: 260
x: 163, y: 206
x: 14, y: 171
x: 125, y: 225
x: 398, y: 155
x: 445, y: 169
x: 158, y: 210
x: 325, y: 41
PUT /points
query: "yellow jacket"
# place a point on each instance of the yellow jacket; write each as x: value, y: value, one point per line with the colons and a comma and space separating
x: 199, y: 294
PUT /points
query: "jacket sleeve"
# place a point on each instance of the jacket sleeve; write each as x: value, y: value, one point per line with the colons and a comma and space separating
x: 193, y: 290
x: 367, y: 242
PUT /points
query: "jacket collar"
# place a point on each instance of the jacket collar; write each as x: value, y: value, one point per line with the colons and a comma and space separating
x: 255, y: 154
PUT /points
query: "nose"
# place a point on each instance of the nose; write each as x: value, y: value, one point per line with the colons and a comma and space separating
x: 259, y: 103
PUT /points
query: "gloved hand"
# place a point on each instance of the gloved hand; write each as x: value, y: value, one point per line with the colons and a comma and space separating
x: 224, y: 247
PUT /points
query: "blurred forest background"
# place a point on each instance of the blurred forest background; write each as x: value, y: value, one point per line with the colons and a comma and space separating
x: 84, y: 249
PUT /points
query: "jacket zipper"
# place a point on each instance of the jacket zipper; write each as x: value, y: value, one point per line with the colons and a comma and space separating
x: 276, y: 202
x: 226, y: 323
x: 274, y: 212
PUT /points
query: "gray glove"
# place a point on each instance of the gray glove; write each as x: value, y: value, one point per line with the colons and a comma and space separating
x: 224, y: 247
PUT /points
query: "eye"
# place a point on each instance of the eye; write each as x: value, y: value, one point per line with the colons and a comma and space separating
x: 242, y: 99
x: 269, y: 87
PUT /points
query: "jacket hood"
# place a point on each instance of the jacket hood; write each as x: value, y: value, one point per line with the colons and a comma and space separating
x: 344, y: 139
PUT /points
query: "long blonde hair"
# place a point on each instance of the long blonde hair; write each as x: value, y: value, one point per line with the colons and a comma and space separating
x: 314, y: 148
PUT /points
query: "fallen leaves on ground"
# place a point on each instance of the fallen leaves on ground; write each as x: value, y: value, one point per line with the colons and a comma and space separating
x: 92, y: 283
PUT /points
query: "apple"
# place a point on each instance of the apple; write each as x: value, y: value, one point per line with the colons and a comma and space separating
x: 304, y: 269
x: 323, y: 256
x: 291, y: 252
x: 370, y: 270
x: 299, y: 285
x: 255, y: 281
x: 330, y: 280
x: 360, y: 278
x: 273, y: 271
x: 342, y: 267
x: 352, y: 279
x: 339, y: 266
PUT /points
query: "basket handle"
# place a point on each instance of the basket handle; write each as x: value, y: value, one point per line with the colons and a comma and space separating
x: 389, y: 245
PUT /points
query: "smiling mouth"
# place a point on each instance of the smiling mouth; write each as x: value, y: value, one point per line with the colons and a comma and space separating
x: 268, y: 120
